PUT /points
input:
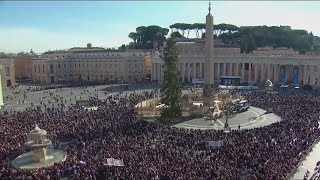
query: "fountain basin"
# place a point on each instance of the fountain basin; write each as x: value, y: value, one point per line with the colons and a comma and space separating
x: 26, y: 160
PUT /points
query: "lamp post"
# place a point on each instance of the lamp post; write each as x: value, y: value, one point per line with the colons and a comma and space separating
x: 226, y: 125
x: 226, y: 113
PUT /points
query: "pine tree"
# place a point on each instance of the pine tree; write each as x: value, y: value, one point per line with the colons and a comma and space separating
x: 170, y: 89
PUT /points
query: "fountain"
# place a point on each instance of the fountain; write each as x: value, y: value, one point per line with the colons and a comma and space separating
x: 41, y: 154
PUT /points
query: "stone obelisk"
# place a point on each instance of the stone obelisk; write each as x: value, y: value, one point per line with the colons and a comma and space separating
x: 208, y: 88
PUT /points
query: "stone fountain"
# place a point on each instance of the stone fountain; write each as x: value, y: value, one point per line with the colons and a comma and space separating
x: 41, y: 155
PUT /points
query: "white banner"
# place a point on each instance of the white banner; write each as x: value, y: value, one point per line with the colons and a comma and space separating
x: 114, y: 162
x: 214, y: 143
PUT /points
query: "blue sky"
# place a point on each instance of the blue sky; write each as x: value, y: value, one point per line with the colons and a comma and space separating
x: 44, y: 25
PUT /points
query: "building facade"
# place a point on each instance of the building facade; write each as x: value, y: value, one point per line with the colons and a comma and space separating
x: 7, y: 72
x: 91, y: 64
x: 22, y: 66
x: 283, y: 66
x: 280, y: 67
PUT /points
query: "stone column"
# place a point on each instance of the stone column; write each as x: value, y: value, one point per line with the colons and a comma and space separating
x: 262, y: 73
x: 218, y: 69
x: 231, y: 69
x: 306, y: 81
x: 194, y: 65
x: 195, y: 70
x: 201, y: 75
x: 243, y: 69
x: 274, y: 73
x: 212, y: 72
x: 255, y: 72
x: 183, y: 71
x: 152, y: 71
x: 189, y: 71
x: 159, y: 72
x: 155, y: 71
x: 312, y: 75
x: 237, y: 69
x: 224, y: 69
x: 308, y: 74
x: 318, y: 75
x: 227, y: 69
x: 249, y: 73
x: 269, y: 71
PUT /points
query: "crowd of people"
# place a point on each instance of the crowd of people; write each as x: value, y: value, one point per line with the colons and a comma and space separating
x: 156, y: 151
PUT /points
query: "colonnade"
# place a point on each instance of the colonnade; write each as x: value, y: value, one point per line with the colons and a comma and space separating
x: 249, y: 72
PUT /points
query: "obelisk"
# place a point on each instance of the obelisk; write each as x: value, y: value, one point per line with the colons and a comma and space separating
x: 208, y: 88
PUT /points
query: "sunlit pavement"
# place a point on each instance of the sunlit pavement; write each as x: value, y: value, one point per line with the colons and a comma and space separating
x: 34, y: 97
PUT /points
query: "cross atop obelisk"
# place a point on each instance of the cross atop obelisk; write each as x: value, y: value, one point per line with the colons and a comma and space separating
x: 209, y: 58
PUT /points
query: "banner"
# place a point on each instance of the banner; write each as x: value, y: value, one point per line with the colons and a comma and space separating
x: 282, y: 78
x: 93, y: 108
x: 214, y: 143
x: 295, y: 75
x: 114, y: 162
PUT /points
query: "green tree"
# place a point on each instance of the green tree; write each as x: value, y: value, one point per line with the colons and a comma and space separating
x: 122, y: 47
x: 176, y: 34
x: 134, y: 36
x: 170, y: 90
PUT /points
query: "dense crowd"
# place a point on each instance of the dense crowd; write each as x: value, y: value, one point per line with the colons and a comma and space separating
x: 155, y: 151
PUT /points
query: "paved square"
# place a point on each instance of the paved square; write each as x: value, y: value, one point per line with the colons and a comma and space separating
x: 252, y: 118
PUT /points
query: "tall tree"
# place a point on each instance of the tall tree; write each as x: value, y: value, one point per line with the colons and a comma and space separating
x: 134, y: 36
x: 170, y: 90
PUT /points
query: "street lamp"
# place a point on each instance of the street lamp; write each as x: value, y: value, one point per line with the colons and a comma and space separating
x: 226, y: 125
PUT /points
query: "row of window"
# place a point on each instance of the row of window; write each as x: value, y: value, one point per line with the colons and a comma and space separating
x: 103, y: 55
x: 96, y: 61
x: 109, y: 72
x: 101, y: 76
x: 99, y: 65
x: 37, y: 68
x: 87, y: 77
